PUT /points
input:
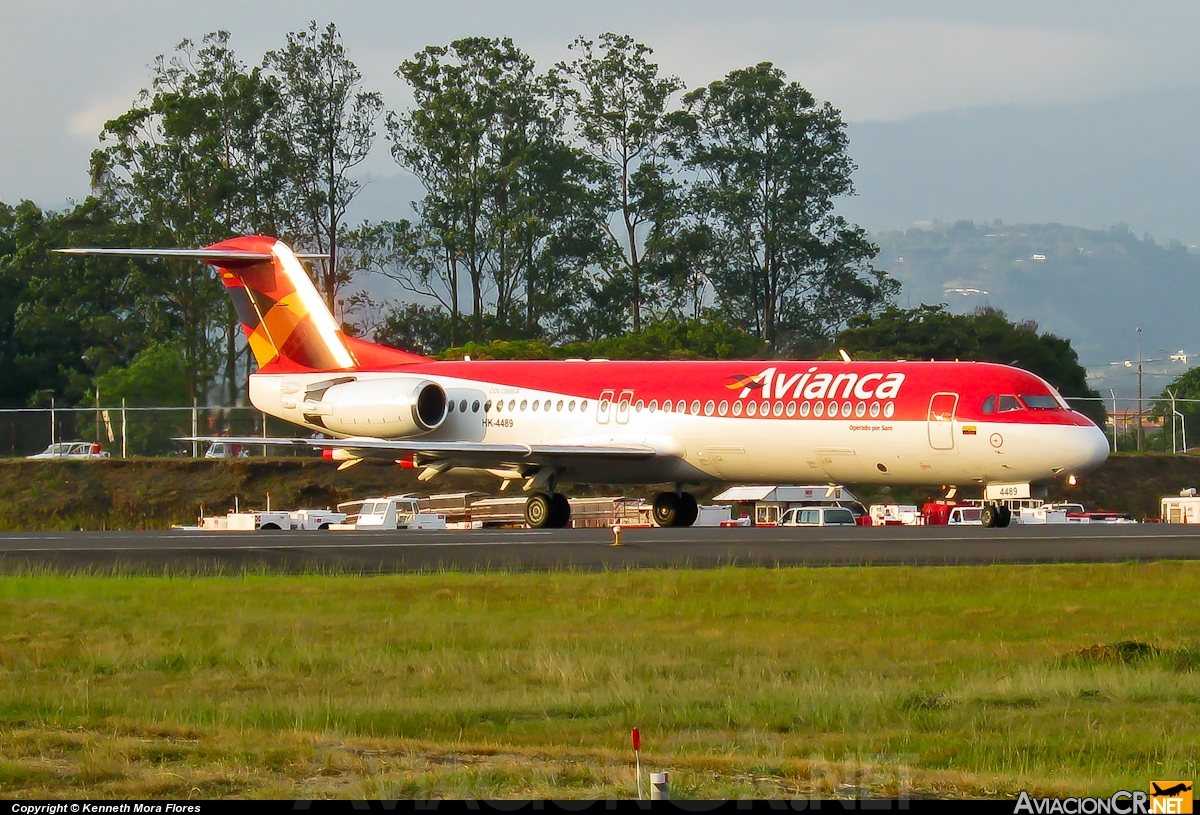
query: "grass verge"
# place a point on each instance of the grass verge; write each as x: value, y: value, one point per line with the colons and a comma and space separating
x: 767, y: 682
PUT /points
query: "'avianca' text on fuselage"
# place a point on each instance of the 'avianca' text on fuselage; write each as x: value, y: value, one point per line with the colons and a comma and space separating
x: 547, y: 423
x: 815, y: 384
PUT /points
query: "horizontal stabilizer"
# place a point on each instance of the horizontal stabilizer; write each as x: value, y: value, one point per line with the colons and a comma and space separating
x: 208, y: 255
x: 287, y: 322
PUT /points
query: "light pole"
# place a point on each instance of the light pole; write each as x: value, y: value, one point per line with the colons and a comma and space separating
x: 1179, y: 356
x: 1113, y: 391
x: 1140, y: 431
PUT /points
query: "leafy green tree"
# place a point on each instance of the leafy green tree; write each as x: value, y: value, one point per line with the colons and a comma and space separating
x: 324, y: 127
x: 414, y: 256
x: 1186, y: 390
x: 620, y: 105
x: 418, y: 329
x: 157, y: 376
x: 772, y: 161
x: 707, y: 338
x: 63, y: 322
x: 508, y: 206
x: 986, y: 335
x: 195, y: 161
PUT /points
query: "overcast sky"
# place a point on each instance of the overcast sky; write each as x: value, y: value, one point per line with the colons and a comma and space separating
x: 1077, y: 112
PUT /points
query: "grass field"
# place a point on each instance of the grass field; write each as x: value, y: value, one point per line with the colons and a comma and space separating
x: 745, y: 682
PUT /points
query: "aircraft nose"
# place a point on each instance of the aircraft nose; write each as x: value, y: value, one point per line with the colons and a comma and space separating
x: 1087, y: 450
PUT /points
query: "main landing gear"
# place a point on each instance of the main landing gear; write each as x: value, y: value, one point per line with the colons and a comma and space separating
x: 675, y: 509
x: 547, y: 511
x: 995, y: 515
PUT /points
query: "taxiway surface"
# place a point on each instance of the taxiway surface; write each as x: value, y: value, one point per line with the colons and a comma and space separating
x: 590, y: 549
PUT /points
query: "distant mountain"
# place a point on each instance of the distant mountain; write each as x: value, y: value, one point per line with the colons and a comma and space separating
x: 1130, y: 158
x: 1094, y: 287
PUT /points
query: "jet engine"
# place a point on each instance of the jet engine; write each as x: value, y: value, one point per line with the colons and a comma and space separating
x: 388, y: 408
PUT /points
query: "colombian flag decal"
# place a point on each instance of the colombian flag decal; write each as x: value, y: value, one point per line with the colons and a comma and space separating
x: 969, y: 430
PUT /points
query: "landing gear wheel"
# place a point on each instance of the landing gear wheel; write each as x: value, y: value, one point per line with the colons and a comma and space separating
x: 666, y: 509
x: 560, y: 511
x: 989, y: 516
x: 1004, y: 517
x: 688, y: 510
x: 537, y: 511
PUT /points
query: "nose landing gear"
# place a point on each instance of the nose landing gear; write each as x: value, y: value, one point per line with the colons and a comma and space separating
x: 995, y: 515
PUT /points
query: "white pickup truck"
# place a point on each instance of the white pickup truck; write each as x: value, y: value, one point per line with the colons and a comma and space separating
x: 818, y: 516
x: 387, y: 512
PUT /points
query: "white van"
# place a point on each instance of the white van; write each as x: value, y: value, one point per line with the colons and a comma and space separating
x: 818, y: 516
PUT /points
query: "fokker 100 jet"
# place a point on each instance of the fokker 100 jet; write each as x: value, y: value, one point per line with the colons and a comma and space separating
x: 549, y: 423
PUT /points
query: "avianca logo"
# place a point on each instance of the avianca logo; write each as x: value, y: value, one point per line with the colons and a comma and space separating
x: 812, y: 385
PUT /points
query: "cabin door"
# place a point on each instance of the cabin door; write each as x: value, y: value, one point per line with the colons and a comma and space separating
x: 941, y: 420
x: 604, y: 405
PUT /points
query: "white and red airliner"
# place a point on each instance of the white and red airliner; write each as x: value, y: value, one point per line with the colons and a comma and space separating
x: 549, y: 423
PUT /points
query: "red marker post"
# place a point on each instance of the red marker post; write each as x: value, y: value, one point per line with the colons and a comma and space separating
x: 637, y: 759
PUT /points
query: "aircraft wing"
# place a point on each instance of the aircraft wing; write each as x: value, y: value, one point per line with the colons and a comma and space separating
x: 462, y: 453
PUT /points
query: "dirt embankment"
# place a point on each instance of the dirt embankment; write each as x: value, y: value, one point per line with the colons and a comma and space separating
x: 155, y: 493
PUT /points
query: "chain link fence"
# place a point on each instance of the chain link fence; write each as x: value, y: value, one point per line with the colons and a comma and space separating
x: 131, y: 432
x: 1149, y: 424
x: 128, y: 432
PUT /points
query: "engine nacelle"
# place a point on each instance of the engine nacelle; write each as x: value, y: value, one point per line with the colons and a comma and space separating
x: 393, y: 407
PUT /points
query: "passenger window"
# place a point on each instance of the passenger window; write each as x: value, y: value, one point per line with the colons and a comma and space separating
x: 1009, y: 403
x: 989, y: 404
x: 475, y: 406
x: 808, y: 516
x: 558, y: 407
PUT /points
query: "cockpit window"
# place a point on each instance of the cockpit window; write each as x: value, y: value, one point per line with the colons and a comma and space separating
x: 1008, y: 403
x: 1039, y: 402
x: 989, y: 404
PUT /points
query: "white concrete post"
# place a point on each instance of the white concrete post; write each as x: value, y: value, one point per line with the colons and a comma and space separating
x: 659, y: 786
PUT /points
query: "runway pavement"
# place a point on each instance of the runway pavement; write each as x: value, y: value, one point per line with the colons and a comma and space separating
x: 590, y: 549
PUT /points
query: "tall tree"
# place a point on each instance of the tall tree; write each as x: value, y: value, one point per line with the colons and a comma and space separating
x: 772, y: 160
x: 503, y: 189
x: 620, y: 109
x: 326, y: 124
x: 194, y: 161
